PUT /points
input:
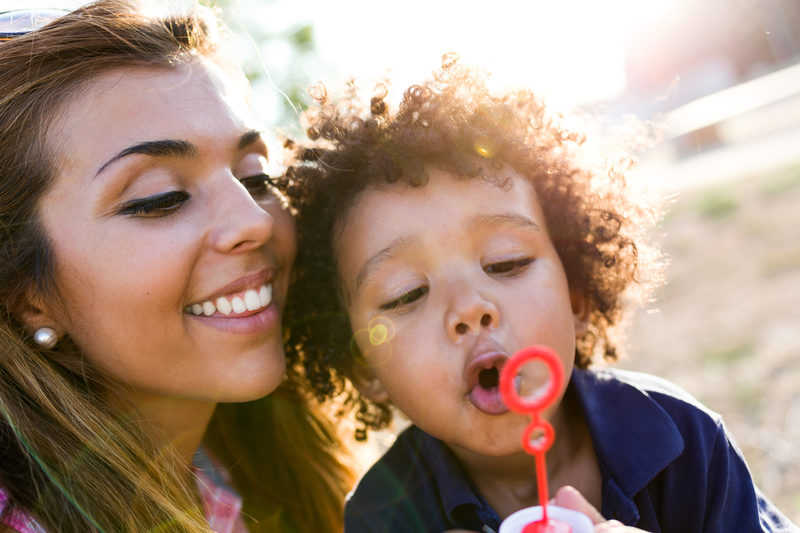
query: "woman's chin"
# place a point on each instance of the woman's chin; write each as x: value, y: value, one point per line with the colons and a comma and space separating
x: 252, y: 384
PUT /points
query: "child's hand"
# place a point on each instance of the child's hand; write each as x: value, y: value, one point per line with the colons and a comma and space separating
x: 569, y: 498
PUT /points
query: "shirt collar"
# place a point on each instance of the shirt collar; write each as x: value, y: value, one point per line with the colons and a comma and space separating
x: 624, y: 422
x: 462, y: 503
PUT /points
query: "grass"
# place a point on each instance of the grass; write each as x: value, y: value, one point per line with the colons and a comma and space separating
x: 729, y: 353
x: 717, y: 203
x: 780, y: 183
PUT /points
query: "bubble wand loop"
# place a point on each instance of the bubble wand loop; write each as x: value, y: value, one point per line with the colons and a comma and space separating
x: 536, y: 446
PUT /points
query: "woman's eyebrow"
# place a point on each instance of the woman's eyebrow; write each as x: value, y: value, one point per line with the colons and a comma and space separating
x: 162, y: 148
x: 249, y: 138
x: 174, y: 148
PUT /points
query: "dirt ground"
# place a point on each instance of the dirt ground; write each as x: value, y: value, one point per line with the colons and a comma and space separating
x: 726, y: 327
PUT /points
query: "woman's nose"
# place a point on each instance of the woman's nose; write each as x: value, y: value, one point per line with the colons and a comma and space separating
x: 469, y: 314
x: 242, y: 224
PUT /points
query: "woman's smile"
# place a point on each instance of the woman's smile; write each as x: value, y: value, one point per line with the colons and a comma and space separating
x: 234, y: 305
x: 243, y: 312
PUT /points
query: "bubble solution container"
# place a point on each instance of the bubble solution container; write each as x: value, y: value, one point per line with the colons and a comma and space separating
x: 560, y: 520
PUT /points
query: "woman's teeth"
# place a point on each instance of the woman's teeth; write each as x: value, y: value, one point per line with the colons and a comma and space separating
x: 251, y: 300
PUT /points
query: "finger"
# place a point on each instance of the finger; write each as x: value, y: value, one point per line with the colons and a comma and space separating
x: 569, y: 498
x: 611, y: 525
x: 614, y: 526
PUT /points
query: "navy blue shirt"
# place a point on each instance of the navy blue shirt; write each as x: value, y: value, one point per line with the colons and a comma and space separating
x: 667, y: 465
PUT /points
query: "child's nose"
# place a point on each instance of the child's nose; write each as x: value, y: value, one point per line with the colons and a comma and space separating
x: 470, y: 314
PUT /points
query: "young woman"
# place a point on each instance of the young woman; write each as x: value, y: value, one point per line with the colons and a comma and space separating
x: 144, y: 265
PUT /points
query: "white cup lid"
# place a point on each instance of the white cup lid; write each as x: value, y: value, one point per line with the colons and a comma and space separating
x: 515, y: 522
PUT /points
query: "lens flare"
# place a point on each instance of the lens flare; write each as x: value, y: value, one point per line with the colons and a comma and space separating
x: 485, y: 148
x: 378, y: 334
x: 374, y: 341
x: 381, y: 330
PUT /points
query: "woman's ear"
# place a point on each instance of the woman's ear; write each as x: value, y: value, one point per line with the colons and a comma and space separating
x: 366, y: 382
x: 33, y: 313
x: 581, y: 311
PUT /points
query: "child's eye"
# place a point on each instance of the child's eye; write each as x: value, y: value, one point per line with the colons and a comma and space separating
x: 159, y: 205
x: 257, y: 184
x: 510, y: 267
x: 406, y: 298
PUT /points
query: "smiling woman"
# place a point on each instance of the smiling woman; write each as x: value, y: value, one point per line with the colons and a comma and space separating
x: 145, y: 258
x: 170, y: 217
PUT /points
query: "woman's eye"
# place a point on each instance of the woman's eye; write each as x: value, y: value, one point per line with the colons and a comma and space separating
x: 510, y: 267
x: 159, y: 205
x: 257, y: 184
x: 406, y: 298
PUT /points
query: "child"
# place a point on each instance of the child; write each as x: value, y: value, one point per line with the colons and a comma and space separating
x: 438, y: 240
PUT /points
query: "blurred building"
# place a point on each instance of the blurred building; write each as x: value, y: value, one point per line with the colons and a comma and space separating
x: 721, y: 78
x: 702, y: 46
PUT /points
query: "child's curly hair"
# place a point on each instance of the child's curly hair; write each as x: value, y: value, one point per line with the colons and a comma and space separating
x: 456, y: 123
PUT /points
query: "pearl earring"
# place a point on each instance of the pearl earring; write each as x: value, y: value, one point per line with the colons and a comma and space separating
x: 45, y: 337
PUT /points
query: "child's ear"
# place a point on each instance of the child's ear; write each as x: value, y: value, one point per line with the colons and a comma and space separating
x: 581, y: 310
x: 363, y: 377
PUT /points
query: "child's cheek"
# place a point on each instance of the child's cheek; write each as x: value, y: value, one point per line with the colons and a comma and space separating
x: 375, y: 341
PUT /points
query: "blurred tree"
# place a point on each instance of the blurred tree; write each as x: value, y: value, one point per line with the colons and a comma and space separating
x: 278, y: 56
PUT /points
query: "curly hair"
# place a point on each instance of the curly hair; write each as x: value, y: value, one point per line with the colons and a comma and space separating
x: 454, y: 121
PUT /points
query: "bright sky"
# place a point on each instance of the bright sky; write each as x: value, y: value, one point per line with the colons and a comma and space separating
x: 570, y: 50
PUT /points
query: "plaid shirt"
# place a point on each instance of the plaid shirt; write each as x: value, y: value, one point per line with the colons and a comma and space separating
x: 222, y: 508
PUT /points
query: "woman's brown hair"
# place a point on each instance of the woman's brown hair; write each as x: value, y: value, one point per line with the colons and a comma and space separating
x: 67, y: 457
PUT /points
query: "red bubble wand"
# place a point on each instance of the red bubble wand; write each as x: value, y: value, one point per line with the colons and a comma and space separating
x: 535, y: 405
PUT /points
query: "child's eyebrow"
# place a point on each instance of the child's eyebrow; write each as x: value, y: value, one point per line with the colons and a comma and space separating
x: 502, y: 219
x: 395, y: 247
